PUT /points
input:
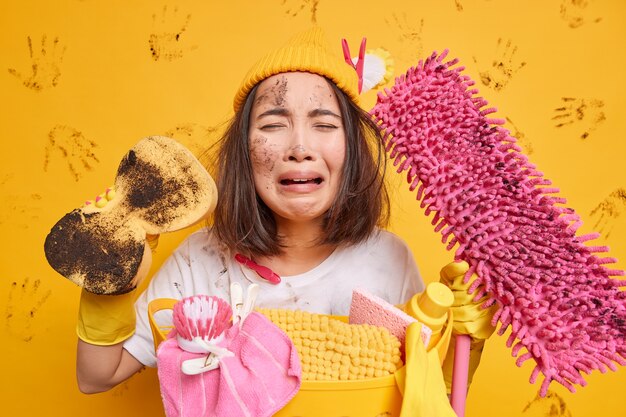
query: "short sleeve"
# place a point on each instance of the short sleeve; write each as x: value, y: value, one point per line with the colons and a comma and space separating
x: 186, y: 271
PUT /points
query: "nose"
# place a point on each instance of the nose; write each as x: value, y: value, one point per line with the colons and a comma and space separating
x: 299, y: 148
x: 299, y: 153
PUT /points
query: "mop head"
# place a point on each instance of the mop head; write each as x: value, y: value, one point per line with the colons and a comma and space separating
x: 554, y: 292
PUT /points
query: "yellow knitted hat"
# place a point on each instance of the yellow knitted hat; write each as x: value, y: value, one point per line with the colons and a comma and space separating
x: 308, y: 51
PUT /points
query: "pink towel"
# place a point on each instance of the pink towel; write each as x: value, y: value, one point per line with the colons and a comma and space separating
x: 261, y: 378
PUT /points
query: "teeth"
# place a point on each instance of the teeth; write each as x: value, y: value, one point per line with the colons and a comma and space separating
x: 301, y: 180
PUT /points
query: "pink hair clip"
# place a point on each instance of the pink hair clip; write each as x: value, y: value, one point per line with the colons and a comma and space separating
x: 360, y: 61
x: 263, y: 271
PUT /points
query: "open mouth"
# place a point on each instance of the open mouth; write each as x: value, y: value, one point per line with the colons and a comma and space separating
x: 298, y: 181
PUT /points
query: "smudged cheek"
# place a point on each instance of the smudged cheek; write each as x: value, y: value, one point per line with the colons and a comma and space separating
x: 264, y: 156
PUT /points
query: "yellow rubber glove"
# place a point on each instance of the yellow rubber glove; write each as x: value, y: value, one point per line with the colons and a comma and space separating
x: 469, y: 318
x: 110, y: 319
x: 106, y: 319
x: 423, y: 387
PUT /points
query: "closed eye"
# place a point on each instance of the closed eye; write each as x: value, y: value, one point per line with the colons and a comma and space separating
x: 326, y: 126
x: 272, y: 126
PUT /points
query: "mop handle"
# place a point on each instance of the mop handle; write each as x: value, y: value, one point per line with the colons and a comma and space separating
x: 460, y: 374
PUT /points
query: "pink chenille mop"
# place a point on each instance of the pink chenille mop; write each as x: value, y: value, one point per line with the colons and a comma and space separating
x: 565, y: 310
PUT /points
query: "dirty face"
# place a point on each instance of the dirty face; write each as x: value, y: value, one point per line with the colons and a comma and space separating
x: 297, y: 145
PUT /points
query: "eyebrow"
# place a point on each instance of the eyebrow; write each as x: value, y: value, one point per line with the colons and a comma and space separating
x: 281, y: 111
x: 276, y: 111
x: 323, y: 112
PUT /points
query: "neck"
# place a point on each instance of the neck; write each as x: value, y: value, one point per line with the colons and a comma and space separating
x: 301, y: 251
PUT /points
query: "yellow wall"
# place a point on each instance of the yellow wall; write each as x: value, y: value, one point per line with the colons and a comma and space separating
x: 91, y: 87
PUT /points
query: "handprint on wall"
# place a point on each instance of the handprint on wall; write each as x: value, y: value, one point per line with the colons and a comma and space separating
x: 294, y: 7
x: 608, y: 211
x: 409, y: 34
x: 45, y: 65
x: 503, y: 66
x: 22, y: 210
x: 552, y: 405
x: 198, y: 139
x: 522, y: 140
x: 575, y: 13
x: 166, y: 41
x: 586, y: 113
x: 24, y: 301
x: 72, y: 146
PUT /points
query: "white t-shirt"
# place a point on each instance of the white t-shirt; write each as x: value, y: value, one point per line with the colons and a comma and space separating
x: 383, y: 265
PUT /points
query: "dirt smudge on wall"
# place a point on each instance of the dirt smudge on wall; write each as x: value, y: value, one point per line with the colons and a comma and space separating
x: 608, y: 212
x: 294, y: 7
x: 22, y: 209
x: 522, y: 140
x: 586, y: 114
x: 408, y: 31
x: 552, y: 405
x: 576, y: 13
x: 23, y: 303
x: 45, y: 64
x: 73, y: 148
x: 166, y: 40
x: 504, y: 66
x: 199, y: 139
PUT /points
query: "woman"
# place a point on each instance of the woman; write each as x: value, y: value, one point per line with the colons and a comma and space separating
x: 301, y: 192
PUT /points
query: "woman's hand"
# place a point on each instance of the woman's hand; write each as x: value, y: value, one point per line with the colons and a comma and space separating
x: 470, y: 318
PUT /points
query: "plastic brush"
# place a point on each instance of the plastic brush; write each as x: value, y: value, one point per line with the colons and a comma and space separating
x: 556, y: 294
x: 200, y: 322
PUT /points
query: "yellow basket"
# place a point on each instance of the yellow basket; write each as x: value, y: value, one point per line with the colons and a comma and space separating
x: 373, y: 397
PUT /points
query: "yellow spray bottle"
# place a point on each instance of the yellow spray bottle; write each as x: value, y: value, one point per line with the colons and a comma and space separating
x: 432, y: 308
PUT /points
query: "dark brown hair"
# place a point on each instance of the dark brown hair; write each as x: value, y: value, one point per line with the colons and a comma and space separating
x: 245, y: 224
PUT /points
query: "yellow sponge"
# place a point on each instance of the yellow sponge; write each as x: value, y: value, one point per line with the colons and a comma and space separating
x: 332, y: 350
